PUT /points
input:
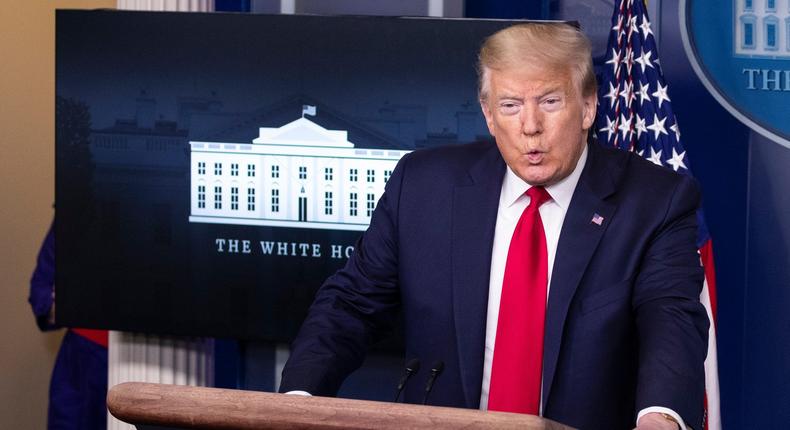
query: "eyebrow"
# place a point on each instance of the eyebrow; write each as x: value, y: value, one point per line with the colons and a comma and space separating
x: 509, y: 97
x: 555, y: 89
x: 552, y: 90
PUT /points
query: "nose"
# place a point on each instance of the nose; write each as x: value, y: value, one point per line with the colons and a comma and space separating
x: 531, y: 123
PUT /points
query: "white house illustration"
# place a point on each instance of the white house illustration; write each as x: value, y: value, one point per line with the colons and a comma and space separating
x: 298, y: 175
x: 762, y: 28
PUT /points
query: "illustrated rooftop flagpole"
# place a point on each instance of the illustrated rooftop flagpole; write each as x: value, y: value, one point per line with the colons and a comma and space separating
x: 308, y: 110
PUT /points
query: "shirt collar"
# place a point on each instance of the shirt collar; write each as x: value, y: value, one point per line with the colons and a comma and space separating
x: 561, y: 193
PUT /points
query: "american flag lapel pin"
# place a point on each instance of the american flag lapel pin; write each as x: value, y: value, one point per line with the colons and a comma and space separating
x: 597, y: 219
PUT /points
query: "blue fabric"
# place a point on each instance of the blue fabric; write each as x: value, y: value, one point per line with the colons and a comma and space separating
x: 78, y: 389
x: 624, y: 326
x: 43, y: 281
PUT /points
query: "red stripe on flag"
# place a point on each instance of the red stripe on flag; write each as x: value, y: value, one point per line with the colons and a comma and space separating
x: 706, y: 254
x: 712, y: 417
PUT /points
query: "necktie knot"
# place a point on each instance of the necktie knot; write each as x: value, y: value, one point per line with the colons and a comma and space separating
x: 538, y: 196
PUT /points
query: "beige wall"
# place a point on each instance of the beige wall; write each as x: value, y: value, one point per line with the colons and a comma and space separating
x: 27, y: 94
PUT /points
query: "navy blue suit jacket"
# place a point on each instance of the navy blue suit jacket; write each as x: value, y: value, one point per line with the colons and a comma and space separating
x: 624, y: 326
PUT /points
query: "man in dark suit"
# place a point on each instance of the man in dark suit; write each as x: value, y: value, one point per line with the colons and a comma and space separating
x: 550, y: 275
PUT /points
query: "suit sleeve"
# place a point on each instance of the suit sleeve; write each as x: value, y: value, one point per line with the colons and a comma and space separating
x: 672, y: 323
x: 354, y: 307
x: 42, y: 283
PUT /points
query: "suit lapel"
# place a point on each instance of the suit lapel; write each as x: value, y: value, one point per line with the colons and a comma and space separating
x: 474, y: 215
x: 578, y: 240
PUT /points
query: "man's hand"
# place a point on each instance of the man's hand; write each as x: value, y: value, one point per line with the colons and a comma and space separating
x: 656, y: 421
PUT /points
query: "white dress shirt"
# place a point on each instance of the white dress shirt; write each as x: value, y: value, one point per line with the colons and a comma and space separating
x: 512, y: 202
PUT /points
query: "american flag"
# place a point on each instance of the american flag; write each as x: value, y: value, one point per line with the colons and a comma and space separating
x: 635, y: 114
x: 597, y: 219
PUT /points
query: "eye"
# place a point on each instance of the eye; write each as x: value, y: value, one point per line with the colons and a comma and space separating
x: 551, y: 103
x: 509, y: 107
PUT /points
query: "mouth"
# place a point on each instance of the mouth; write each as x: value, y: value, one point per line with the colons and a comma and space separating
x: 534, y: 157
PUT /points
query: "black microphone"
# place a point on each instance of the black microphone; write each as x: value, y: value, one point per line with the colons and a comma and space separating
x: 412, y: 367
x: 436, y: 369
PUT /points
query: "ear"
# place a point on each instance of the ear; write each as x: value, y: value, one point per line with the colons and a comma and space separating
x: 487, y: 113
x: 590, y: 107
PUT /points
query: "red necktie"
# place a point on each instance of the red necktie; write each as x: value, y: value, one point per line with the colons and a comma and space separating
x: 518, y: 350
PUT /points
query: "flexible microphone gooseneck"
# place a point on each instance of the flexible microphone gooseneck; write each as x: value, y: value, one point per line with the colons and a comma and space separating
x: 436, y: 369
x: 412, y: 367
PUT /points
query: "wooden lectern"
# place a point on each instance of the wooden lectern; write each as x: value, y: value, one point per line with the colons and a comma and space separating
x: 213, y: 408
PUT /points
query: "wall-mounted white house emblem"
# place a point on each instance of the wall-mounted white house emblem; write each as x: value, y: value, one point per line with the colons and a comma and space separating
x: 740, y: 50
x: 762, y: 28
x: 298, y: 175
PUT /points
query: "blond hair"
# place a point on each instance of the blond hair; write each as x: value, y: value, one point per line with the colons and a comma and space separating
x: 547, y: 45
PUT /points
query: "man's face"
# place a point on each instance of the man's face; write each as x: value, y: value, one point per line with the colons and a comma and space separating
x: 539, y: 120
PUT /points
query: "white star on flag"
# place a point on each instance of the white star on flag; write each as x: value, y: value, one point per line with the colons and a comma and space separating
x: 631, y: 25
x: 614, y: 61
x: 625, y: 125
x: 640, y: 126
x: 676, y: 130
x: 645, y: 26
x: 619, y: 25
x: 661, y: 94
x: 655, y: 157
x: 643, y: 92
x: 644, y: 60
x: 618, y: 29
x: 628, y: 59
x: 658, y: 126
x: 611, y: 128
x: 627, y: 93
x: 676, y: 161
x: 612, y: 95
